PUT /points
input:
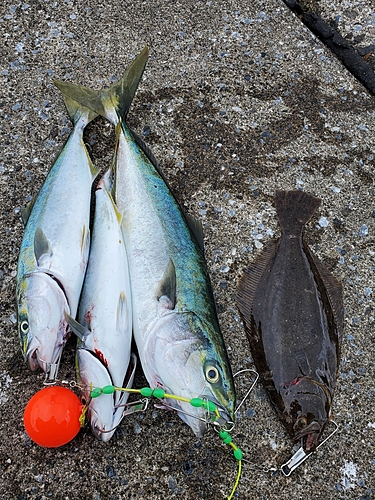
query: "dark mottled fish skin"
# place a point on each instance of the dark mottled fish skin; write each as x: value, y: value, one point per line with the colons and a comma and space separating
x: 292, y: 309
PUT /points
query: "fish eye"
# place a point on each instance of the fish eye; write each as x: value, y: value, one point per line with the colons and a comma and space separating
x: 302, y: 422
x: 24, y: 326
x: 212, y: 374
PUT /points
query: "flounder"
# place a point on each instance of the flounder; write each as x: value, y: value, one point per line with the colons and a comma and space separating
x: 292, y: 309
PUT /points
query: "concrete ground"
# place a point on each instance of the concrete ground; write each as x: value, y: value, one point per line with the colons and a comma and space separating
x: 238, y: 99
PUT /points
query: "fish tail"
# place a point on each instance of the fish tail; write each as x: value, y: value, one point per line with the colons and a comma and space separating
x: 295, y: 208
x: 76, y: 110
x: 112, y: 103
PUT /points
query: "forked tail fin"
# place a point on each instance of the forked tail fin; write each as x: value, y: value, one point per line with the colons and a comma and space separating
x: 113, y: 102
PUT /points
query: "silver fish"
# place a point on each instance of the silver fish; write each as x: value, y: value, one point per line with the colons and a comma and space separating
x: 54, y: 250
x: 174, y: 318
x: 104, y: 324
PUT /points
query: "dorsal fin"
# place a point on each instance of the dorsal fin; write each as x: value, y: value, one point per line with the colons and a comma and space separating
x: 26, y: 211
x: 85, y: 241
x: 196, y: 228
x: 249, y: 282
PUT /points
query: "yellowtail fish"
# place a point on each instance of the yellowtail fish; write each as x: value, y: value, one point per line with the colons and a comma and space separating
x: 175, y: 323
x: 54, y: 250
x: 104, y: 324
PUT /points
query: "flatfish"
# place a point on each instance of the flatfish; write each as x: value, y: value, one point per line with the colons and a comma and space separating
x: 292, y: 310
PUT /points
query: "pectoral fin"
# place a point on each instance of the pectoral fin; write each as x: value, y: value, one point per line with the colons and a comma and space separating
x: 79, y: 330
x: 85, y: 242
x: 167, y: 287
x: 122, y: 320
x: 42, y: 246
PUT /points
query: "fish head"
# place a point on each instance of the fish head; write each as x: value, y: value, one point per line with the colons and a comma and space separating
x: 105, y: 411
x: 41, y: 324
x: 182, y: 359
x: 308, y: 411
x: 103, y: 430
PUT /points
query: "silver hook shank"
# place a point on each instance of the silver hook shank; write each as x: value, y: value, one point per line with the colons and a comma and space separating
x: 300, y: 455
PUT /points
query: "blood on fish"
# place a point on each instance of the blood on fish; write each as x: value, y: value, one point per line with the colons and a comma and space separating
x: 293, y: 382
x: 101, y: 357
x: 88, y: 317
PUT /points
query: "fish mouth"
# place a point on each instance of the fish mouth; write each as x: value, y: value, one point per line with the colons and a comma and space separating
x: 98, y: 428
x: 312, y: 434
x: 35, y: 361
x: 224, y: 418
x: 199, y: 422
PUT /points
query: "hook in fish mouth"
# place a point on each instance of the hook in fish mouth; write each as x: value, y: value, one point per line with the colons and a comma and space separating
x: 35, y: 361
x: 312, y: 434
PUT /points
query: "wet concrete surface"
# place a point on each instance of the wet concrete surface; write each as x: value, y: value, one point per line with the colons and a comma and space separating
x: 238, y: 99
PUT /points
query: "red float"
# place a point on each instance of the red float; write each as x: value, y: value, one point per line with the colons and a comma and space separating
x: 52, y: 415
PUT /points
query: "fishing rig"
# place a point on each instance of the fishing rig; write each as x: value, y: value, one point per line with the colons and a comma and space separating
x: 212, y: 412
x: 212, y: 416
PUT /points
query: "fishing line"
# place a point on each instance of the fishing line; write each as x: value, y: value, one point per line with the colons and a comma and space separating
x: 212, y: 413
x: 209, y: 406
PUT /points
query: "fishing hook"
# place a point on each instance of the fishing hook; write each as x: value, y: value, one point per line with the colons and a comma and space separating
x: 251, y: 387
x: 300, y: 455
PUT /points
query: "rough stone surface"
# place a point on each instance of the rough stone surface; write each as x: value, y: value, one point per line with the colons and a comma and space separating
x: 238, y: 100
x: 355, y: 21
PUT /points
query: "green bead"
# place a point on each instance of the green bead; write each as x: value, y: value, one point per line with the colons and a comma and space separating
x: 158, y: 393
x: 211, y: 407
x: 238, y: 454
x: 108, y: 389
x: 196, y: 402
x: 146, y: 392
x: 227, y: 440
x: 95, y: 392
x: 223, y: 434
